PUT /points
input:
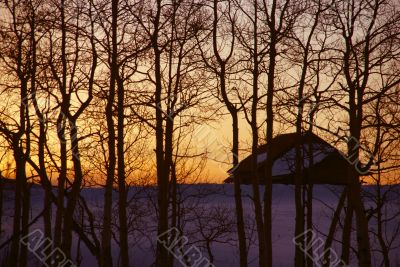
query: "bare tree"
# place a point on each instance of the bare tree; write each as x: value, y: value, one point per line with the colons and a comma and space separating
x: 171, y: 27
x: 16, y: 58
x: 279, y: 23
x: 313, y: 11
x: 221, y: 63
x: 382, y: 118
x: 365, y: 30
x: 64, y: 57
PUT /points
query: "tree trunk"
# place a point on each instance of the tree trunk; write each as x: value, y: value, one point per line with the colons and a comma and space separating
x: 174, y: 209
x: 235, y: 137
x: 44, y: 179
x: 362, y: 226
x: 254, y: 129
x: 18, y: 255
x: 309, y: 206
x: 162, y: 168
x: 332, y: 228
x: 122, y: 197
x: 74, y: 193
x: 26, y: 197
x: 266, y: 260
x: 61, y: 182
x: 380, y: 230
x: 346, y: 234
x: 61, y: 122
x: 1, y: 203
x: 299, y: 223
x: 169, y: 129
x: 14, y: 259
x: 238, y: 194
x: 355, y: 198
x: 106, y: 256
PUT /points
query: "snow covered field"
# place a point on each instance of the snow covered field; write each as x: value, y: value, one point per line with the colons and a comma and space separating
x: 207, y: 213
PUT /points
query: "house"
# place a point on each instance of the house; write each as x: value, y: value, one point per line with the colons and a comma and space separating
x: 328, y: 165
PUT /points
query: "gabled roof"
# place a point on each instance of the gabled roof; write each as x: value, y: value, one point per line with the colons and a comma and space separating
x: 281, y: 145
x: 328, y: 164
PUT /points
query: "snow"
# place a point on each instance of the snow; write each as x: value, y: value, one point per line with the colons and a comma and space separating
x: 261, y: 157
x: 286, y: 163
x: 209, y: 206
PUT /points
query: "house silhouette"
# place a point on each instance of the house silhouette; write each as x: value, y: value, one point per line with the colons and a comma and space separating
x: 321, y: 162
